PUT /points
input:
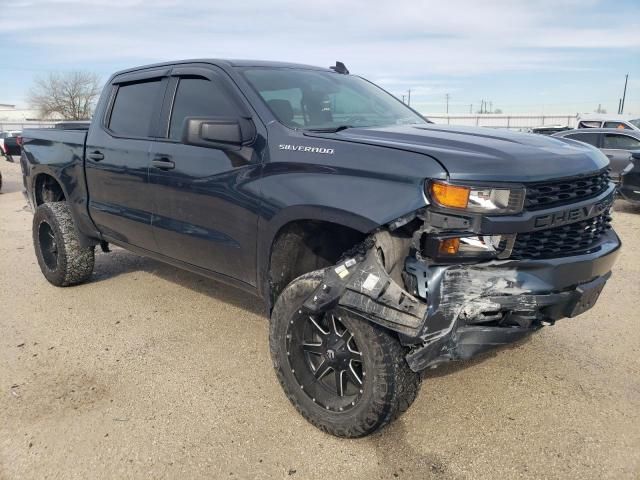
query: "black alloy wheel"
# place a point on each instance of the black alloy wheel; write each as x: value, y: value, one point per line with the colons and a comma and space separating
x: 48, y: 245
x: 326, y: 361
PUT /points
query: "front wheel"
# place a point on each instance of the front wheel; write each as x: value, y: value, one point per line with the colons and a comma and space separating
x: 346, y: 376
x: 62, y: 259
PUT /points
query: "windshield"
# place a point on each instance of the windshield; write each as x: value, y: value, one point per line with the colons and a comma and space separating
x: 317, y: 100
x: 635, y: 122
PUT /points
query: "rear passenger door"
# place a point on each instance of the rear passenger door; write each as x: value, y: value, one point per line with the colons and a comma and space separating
x: 592, y: 138
x: 117, y: 159
x: 205, y: 210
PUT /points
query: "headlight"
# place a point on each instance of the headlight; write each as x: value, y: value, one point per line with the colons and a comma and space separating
x: 472, y: 247
x: 477, y: 199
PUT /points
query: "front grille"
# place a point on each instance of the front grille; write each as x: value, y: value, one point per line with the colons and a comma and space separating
x: 574, y: 239
x: 550, y: 194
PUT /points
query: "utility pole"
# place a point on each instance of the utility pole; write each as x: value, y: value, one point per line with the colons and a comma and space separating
x: 490, y: 107
x: 409, y: 97
x: 403, y: 97
x: 624, y: 93
x: 447, y: 97
x: 619, y: 105
x: 471, y: 108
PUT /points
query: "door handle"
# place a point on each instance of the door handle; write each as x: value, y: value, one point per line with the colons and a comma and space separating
x: 163, y: 163
x: 610, y: 156
x: 96, y: 156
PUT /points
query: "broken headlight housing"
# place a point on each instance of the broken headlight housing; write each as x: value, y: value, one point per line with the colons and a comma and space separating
x: 467, y: 247
x: 495, y: 200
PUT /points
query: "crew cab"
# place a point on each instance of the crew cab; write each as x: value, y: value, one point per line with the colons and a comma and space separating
x: 381, y: 244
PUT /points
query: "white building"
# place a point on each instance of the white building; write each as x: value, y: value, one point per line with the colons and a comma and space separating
x: 15, y: 118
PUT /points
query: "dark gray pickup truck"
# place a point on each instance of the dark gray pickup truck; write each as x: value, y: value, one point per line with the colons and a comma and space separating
x: 382, y: 244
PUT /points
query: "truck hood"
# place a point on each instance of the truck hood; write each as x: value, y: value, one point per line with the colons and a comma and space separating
x: 485, y: 154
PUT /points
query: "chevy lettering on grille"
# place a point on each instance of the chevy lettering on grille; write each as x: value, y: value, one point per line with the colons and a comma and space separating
x: 557, y: 219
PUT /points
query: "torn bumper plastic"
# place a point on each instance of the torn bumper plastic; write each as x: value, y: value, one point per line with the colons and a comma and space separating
x: 458, y: 311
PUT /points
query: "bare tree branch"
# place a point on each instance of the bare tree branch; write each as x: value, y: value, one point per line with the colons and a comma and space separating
x: 71, y: 95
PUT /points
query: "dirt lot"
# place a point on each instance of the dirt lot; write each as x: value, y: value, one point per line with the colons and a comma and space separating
x: 152, y: 372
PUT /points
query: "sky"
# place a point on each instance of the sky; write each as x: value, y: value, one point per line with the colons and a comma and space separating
x: 535, y: 56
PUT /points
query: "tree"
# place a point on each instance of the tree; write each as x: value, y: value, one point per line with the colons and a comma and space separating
x: 70, y: 95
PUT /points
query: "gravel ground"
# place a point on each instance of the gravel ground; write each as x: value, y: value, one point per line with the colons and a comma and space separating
x: 151, y: 372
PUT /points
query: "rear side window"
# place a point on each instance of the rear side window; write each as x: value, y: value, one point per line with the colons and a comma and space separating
x: 621, y: 142
x: 133, y: 108
x: 589, y: 124
x: 619, y: 125
x: 590, y: 138
x: 198, y: 97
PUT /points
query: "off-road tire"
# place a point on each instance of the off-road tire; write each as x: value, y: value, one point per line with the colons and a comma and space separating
x: 390, y: 386
x: 73, y: 263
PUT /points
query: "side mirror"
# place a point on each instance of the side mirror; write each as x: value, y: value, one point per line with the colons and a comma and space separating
x: 636, y: 155
x: 218, y: 132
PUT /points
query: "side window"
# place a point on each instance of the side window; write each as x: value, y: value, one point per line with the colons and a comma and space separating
x: 198, y: 97
x: 621, y: 142
x: 619, y: 125
x: 590, y: 138
x: 589, y: 124
x: 133, y: 108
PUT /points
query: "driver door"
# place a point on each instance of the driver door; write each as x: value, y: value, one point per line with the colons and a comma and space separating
x: 205, y: 203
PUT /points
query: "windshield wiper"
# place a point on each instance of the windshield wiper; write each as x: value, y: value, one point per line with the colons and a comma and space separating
x: 329, y: 129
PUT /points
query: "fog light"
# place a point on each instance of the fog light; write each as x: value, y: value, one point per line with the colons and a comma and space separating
x: 472, y: 247
x: 449, y: 246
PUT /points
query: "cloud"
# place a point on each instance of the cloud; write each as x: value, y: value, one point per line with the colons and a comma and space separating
x: 393, y: 42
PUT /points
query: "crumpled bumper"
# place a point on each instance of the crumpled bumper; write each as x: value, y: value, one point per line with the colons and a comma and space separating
x: 475, y: 308
x: 458, y: 311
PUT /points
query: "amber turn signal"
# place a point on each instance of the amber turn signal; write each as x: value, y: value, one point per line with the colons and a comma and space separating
x: 449, y: 246
x: 450, y: 195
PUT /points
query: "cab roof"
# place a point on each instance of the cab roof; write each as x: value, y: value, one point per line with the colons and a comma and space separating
x: 231, y: 63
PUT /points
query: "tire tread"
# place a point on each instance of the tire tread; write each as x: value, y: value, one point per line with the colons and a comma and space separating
x: 401, y: 383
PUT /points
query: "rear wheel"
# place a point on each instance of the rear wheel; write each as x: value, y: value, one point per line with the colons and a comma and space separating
x: 346, y: 376
x: 63, y: 261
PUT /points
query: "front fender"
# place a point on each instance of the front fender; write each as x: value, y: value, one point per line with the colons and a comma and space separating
x: 360, y: 203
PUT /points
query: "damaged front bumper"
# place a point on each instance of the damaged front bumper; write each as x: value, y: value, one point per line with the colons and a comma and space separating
x: 457, y: 311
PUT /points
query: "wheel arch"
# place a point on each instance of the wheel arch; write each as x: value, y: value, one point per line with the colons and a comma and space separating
x: 303, y: 240
x: 47, y: 188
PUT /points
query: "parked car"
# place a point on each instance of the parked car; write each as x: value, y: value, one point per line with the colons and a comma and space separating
x: 549, y: 129
x: 630, y: 181
x: 4, y: 148
x: 381, y: 244
x: 615, y: 143
x: 603, y: 120
x: 13, y: 145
